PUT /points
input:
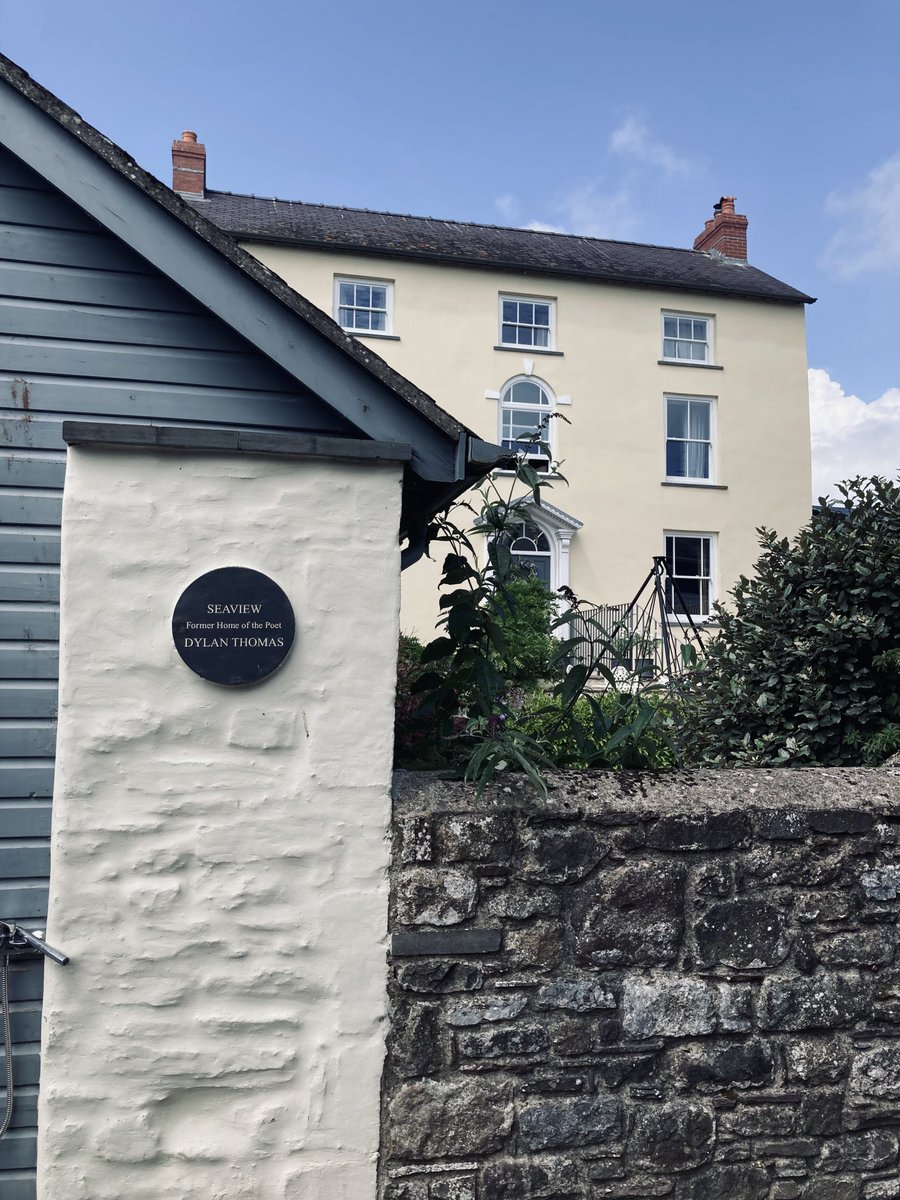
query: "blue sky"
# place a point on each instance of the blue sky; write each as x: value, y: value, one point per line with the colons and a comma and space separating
x: 623, y: 121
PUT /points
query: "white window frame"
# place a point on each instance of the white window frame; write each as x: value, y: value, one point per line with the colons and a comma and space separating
x: 504, y: 405
x: 710, y: 479
x: 526, y: 347
x: 712, y: 538
x: 365, y: 281
x: 710, y: 359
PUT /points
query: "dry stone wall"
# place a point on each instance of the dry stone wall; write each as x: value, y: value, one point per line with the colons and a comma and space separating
x: 681, y: 985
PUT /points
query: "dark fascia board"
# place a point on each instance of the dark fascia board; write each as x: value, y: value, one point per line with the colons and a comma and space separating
x: 210, y: 266
x: 123, y: 435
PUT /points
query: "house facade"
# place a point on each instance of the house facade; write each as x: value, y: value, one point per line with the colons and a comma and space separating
x: 670, y: 384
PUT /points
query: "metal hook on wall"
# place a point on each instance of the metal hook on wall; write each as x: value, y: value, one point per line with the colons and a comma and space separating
x: 16, y: 942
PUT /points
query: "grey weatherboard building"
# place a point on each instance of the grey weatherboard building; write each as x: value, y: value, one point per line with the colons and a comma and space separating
x: 118, y: 303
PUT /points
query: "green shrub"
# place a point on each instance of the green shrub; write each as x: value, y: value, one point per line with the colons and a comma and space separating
x: 524, y: 611
x: 805, y: 669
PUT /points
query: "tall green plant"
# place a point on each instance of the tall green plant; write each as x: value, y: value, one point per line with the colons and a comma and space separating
x: 473, y: 696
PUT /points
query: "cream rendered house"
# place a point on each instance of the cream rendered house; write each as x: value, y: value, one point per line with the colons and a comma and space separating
x: 681, y: 374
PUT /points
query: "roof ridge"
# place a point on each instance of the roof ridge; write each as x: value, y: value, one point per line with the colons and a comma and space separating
x: 383, y: 212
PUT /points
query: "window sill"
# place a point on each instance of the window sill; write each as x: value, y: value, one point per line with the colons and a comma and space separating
x: 526, y: 350
x: 692, y: 483
x: 680, y: 362
x: 384, y: 337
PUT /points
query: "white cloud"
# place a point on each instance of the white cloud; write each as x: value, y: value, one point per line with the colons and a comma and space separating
x: 588, y: 210
x: 869, y: 238
x: 507, y: 206
x: 850, y: 437
x: 633, y: 140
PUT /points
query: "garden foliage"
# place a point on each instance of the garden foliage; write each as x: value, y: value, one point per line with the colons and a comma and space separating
x: 805, y: 668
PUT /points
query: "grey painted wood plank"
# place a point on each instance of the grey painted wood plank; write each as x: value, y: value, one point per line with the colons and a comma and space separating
x: 29, y: 545
x: 83, y: 285
x: 137, y: 400
x: 26, y: 975
x: 29, y: 660
x: 27, y: 1065
x: 133, y: 327
x: 18, y: 1185
x: 26, y: 778
x: 27, y: 430
x: 30, y: 507
x: 24, y: 860
x: 18, y: 1149
x: 24, y: 1114
x: 209, y: 368
x: 26, y: 623
x: 47, y: 210
x: 20, y: 698
x: 24, y: 818
x: 68, y: 248
x: 14, y: 173
x: 26, y: 1023
x: 20, y: 469
x: 26, y: 739
x: 22, y: 583
x: 24, y: 901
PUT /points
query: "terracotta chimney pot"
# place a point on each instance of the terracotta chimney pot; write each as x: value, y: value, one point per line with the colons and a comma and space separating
x: 725, y: 233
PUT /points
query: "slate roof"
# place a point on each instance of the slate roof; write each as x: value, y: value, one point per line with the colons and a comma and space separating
x: 361, y: 231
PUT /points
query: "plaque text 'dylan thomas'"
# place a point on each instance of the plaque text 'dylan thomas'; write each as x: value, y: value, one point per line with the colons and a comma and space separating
x: 233, y: 626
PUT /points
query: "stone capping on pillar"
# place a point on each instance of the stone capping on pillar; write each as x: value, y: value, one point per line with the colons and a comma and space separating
x: 125, y: 435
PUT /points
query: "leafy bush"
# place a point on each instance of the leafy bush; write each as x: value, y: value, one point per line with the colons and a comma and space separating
x: 525, y: 611
x: 805, y: 670
x: 416, y: 732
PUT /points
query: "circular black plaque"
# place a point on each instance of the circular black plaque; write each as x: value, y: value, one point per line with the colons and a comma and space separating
x: 233, y: 626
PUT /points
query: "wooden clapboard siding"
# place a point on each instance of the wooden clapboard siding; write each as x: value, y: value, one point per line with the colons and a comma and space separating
x: 87, y: 329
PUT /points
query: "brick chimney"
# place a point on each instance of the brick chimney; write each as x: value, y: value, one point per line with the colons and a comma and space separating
x: 189, y: 166
x: 725, y: 232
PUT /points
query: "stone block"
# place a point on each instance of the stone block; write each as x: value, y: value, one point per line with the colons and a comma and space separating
x: 578, y: 995
x: 632, y: 915
x: 824, y: 1001
x: 743, y: 1064
x: 742, y: 933
x: 881, y: 884
x: 731, y: 1182
x: 870, y: 1150
x: 780, y: 824
x: 875, y: 1075
x: 440, y: 1119
x: 521, y: 901
x: 815, y: 1061
x: 882, y: 1189
x: 476, y: 838
x: 527, y: 1178
x: 574, y: 1035
x: 662, y: 1006
x: 833, y: 1189
x: 710, y: 831
x: 679, y: 1136
x: 561, y: 854
x: 439, y: 978
x: 430, y: 896
x: 496, y: 1006
x: 415, y: 1041
x: 836, y: 821
x: 518, y: 1041
x: 759, y: 1120
x: 617, y: 1069
x: 562, y: 1123
x: 416, y: 839
x: 861, y: 948
x: 539, y: 945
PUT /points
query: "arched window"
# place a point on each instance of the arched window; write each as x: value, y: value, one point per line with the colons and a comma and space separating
x: 525, y: 409
x: 538, y: 538
x: 530, y: 547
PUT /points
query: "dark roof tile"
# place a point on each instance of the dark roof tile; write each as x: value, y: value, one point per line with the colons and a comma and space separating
x: 355, y: 230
